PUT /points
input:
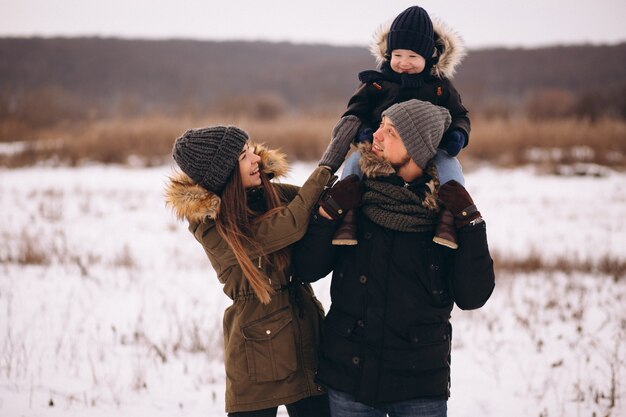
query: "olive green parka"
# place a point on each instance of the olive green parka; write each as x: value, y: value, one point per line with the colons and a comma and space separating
x: 270, y: 350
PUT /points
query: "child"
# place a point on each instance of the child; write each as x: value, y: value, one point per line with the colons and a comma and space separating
x: 416, y: 62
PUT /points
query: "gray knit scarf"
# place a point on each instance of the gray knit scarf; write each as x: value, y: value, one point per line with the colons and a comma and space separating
x: 409, y: 208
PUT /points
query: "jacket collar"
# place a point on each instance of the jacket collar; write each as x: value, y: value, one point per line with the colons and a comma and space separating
x: 193, y: 202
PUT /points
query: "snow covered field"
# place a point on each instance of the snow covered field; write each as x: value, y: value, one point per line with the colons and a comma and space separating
x: 108, y: 307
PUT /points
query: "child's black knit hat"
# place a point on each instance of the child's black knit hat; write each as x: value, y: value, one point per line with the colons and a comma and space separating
x: 412, y: 29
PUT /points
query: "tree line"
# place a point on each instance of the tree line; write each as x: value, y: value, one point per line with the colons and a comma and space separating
x: 47, y: 80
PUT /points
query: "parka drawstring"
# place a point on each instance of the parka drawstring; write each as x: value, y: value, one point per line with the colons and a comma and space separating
x: 260, y: 266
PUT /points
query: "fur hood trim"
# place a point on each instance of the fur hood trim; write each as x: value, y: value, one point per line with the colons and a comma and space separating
x: 371, y: 165
x: 193, y: 202
x: 374, y: 167
x: 450, y: 48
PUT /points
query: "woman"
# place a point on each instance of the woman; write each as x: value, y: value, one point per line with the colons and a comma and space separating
x: 246, y: 225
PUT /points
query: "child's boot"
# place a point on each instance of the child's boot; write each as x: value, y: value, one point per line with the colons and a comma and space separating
x: 445, y: 233
x: 460, y: 211
x: 346, y: 232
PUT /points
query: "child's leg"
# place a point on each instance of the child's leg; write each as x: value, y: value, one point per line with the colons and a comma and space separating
x: 351, y: 166
x: 448, y: 168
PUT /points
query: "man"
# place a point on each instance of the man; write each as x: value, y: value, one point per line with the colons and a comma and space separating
x: 387, y: 335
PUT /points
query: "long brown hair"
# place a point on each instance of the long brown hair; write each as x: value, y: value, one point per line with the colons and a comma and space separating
x: 235, y: 225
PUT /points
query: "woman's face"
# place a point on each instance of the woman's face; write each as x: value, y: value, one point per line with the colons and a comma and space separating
x: 405, y: 61
x: 249, y: 167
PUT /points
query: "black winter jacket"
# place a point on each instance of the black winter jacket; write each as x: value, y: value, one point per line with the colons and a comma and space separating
x: 378, y: 94
x: 387, y: 336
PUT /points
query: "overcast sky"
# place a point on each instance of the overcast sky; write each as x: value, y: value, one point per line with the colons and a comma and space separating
x: 482, y: 23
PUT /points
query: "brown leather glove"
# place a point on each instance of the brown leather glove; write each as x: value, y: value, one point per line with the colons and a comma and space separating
x: 343, y: 196
x: 456, y: 199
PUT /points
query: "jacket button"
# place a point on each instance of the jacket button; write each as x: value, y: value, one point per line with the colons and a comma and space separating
x: 360, y: 323
x: 367, y: 235
x: 319, y: 388
x: 268, y: 331
x: 362, y: 279
x: 356, y: 360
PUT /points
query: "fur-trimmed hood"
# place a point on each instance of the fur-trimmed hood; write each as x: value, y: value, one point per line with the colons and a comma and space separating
x: 193, y: 202
x: 449, y: 44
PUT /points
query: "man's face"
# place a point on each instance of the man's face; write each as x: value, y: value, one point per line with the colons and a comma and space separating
x: 389, y: 146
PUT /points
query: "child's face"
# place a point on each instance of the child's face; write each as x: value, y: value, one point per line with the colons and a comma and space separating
x: 407, y: 62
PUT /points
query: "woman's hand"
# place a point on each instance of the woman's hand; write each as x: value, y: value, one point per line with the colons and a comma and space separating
x: 323, y: 213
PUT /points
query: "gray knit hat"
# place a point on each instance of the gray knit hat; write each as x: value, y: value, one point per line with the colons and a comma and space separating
x: 209, y: 155
x: 420, y: 125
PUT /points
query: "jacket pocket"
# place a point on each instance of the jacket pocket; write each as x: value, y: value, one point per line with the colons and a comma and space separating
x: 436, y: 276
x: 270, y: 346
x: 430, y: 334
x: 428, y: 350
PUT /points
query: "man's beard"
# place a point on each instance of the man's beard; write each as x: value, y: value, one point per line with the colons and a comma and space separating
x: 399, y: 165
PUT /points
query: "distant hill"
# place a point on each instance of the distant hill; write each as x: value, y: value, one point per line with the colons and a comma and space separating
x: 514, y: 72
x: 171, y: 74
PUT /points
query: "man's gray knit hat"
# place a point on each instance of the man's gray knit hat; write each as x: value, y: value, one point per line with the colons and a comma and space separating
x: 420, y: 125
x: 210, y: 154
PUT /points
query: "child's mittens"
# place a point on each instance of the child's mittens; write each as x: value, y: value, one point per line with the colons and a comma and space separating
x: 365, y: 135
x: 453, y: 141
x: 342, y: 135
x: 343, y: 196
